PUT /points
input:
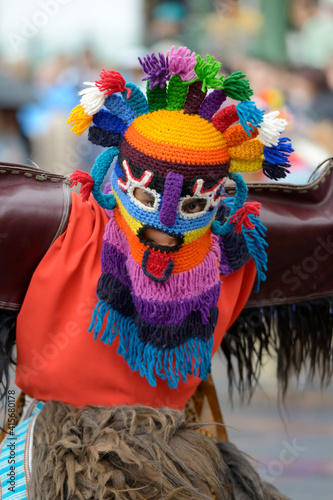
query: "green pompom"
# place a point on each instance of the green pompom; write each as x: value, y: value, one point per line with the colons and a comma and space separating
x: 206, y: 71
x: 237, y: 87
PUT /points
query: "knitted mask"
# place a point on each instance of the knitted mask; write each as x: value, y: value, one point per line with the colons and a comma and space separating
x: 174, y: 149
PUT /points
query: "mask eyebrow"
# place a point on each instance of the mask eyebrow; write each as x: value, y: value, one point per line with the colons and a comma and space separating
x: 211, y: 194
x: 208, y: 184
x: 130, y: 179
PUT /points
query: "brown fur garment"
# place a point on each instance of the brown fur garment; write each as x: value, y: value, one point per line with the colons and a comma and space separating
x: 245, y: 481
x: 125, y: 452
x: 135, y: 452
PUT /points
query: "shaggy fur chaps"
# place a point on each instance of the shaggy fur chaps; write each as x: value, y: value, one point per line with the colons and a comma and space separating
x: 136, y: 453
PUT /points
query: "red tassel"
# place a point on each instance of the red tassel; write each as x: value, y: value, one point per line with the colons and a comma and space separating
x: 241, y: 216
x: 111, y: 82
x: 86, y: 182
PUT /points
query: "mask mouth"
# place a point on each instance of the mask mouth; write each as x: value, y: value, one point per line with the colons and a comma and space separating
x: 160, y: 240
x: 156, y: 265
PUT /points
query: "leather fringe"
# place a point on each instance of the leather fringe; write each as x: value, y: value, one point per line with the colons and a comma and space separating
x: 299, y: 336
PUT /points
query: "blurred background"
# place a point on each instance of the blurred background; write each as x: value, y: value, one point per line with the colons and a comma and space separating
x: 48, y: 48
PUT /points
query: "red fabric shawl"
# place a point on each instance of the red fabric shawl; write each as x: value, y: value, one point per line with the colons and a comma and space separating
x: 56, y: 356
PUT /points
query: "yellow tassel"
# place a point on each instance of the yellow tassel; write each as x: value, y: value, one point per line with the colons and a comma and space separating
x: 79, y: 119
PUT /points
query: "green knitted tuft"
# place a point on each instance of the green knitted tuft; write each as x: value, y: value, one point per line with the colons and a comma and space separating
x: 237, y: 87
x: 156, y: 97
x: 206, y: 71
x: 177, y: 92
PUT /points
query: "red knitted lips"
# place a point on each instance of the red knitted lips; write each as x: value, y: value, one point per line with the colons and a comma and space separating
x: 158, y: 266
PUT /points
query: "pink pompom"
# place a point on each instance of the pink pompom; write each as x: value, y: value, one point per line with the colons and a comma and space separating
x: 182, y: 63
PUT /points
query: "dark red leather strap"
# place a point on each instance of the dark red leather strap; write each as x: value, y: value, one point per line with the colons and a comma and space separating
x: 34, y: 209
x: 299, y: 221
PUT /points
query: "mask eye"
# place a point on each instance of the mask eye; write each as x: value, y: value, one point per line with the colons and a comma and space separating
x: 192, y: 207
x: 148, y: 199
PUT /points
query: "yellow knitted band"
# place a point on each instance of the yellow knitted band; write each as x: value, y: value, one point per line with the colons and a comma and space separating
x: 249, y: 150
x: 179, y: 129
x: 195, y: 234
x: 134, y: 224
x: 245, y: 165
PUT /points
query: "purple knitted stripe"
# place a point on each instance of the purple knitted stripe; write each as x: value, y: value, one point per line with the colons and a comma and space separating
x: 115, y: 236
x: 172, y: 190
x: 175, y: 312
x: 168, y: 337
x: 234, y: 253
x: 224, y: 266
x: 211, y: 104
x: 179, y: 286
x: 114, y: 262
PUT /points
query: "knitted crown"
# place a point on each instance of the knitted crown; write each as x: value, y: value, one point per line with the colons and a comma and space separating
x: 178, y: 125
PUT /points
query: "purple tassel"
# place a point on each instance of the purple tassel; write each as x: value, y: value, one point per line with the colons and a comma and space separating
x: 156, y: 69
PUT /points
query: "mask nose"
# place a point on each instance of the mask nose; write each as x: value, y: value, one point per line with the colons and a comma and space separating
x: 171, y: 194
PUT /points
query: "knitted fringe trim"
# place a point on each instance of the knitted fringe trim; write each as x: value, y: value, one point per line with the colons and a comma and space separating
x: 256, y: 244
x: 255, y: 239
x: 191, y: 358
x: 299, y: 336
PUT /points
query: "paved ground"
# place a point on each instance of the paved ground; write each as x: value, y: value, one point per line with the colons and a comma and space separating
x: 293, y: 446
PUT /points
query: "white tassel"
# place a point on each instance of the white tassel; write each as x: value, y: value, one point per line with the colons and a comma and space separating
x: 92, y: 99
x: 270, y: 129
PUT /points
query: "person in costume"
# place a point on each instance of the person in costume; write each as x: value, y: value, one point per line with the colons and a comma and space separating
x: 164, y: 237
x: 172, y: 258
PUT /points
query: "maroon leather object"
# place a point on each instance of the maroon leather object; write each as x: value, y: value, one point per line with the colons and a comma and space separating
x: 35, y: 204
x: 34, y: 209
x: 299, y: 221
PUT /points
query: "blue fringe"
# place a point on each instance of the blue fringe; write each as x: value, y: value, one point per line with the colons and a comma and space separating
x: 254, y: 238
x: 249, y: 115
x: 192, y: 357
x: 279, y: 154
x: 255, y: 244
x: 234, y: 203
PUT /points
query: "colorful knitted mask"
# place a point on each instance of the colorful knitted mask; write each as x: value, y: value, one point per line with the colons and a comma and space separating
x: 173, y: 149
